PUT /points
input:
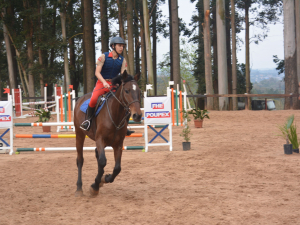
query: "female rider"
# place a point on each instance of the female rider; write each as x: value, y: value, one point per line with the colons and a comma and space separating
x: 109, y: 65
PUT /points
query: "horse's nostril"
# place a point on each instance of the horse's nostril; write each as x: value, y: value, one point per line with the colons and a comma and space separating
x: 137, y: 116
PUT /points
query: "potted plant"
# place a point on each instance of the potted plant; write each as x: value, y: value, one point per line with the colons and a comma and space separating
x: 44, y: 116
x: 294, y: 138
x: 199, y: 115
x: 186, y: 131
x: 288, y: 135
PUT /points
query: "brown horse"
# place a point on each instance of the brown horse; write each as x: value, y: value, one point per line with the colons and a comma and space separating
x: 108, y: 128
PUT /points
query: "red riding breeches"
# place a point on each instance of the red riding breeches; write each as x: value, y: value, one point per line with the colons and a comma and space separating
x: 98, y: 90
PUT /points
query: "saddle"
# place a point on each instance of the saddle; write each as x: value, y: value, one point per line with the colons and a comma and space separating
x: 100, y: 103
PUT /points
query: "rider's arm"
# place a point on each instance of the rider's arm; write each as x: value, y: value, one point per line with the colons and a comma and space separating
x: 124, y: 66
x: 100, y: 63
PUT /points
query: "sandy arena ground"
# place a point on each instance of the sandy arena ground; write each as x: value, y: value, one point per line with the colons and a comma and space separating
x: 235, y: 173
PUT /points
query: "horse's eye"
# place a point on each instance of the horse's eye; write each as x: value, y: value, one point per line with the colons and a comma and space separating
x: 127, y: 91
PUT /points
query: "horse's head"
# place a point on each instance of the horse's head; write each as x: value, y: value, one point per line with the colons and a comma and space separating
x: 130, y: 94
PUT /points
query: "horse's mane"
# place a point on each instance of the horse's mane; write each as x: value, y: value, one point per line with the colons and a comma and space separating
x: 118, y: 80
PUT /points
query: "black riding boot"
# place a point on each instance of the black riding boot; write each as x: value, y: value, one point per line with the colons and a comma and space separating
x: 129, y: 132
x: 87, y: 123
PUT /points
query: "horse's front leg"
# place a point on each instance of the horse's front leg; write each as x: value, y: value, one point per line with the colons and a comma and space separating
x: 109, y: 178
x: 80, y: 137
x: 94, y: 190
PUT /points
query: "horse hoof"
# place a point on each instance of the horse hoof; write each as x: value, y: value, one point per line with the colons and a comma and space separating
x: 79, y: 193
x: 93, y: 192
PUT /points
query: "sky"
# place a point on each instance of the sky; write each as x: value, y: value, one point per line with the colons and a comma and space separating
x: 261, y: 55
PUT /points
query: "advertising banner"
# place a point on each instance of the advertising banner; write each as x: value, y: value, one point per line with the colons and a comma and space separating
x: 157, y: 110
x: 5, y: 114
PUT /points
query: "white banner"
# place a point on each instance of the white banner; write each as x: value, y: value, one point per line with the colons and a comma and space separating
x: 157, y: 110
x: 5, y: 114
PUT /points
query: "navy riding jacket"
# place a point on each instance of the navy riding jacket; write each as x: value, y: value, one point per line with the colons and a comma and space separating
x: 111, y: 67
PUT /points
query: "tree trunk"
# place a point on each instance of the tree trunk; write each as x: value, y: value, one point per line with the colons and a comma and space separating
x: 12, y: 22
x: 222, y: 57
x: 63, y: 18
x: 121, y: 29
x: 175, y: 43
x: 207, y: 54
x: 297, y: 11
x: 148, y: 46
x: 234, y: 76
x: 247, y: 45
x: 143, y: 48
x: 28, y: 26
x: 291, y: 81
x: 104, y: 26
x: 228, y: 49
x: 130, y: 37
x: 40, y: 12
x: 88, y: 30
x: 171, y: 43
x: 73, y: 74
x: 12, y: 83
x: 215, y: 58
x: 137, y: 45
x: 53, y: 26
x: 154, y: 40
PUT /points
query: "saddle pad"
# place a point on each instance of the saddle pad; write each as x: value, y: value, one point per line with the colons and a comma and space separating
x: 85, y: 105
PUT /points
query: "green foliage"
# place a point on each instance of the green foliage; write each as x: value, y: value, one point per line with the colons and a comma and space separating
x: 44, y: 115
x: 186, y: 131
x: 187, y: 56
x: 289, y: 132
x: 241, y: 79
x: 292, y: 134
x: 199, y: 114
x: 279, y: 63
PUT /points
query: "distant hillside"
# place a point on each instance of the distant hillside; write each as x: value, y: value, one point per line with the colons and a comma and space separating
x: 257, y: 75
x: 268, y: 86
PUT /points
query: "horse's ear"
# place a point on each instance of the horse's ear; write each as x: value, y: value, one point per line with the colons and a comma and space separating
x: 137, y: 76
x: 124, y: 75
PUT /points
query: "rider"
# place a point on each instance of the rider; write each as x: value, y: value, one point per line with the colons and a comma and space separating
x: 109, y: 65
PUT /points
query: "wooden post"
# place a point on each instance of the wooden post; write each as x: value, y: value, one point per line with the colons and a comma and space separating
x: 266, y: 106
x: 246, y: 104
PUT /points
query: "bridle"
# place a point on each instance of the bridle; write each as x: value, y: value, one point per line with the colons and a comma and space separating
x: 122, y: 103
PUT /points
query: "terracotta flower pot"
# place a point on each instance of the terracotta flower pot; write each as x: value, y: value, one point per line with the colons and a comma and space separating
x: 47, y: 129
x: 198, y: 123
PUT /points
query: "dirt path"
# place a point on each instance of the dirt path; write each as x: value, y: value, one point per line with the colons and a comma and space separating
x: 235, y: 173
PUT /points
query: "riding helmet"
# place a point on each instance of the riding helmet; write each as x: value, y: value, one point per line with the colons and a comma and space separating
x: 117, y: 40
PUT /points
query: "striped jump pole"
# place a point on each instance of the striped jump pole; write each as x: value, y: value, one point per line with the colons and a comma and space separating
x: 43, y: 124
x: 69, y: 124
x: 73, y: 149
x: 62, y: 135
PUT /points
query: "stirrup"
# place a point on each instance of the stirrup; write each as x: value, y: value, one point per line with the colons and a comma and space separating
x: 129, y: 132
x: 85, y: 125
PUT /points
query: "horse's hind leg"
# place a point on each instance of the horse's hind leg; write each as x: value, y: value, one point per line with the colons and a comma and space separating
x: 80, y: 137
x: 109, y: 178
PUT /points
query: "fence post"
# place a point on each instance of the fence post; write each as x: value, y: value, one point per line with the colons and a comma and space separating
x: 246, y: 102
x: 266, y: 106
x: 291, y: 101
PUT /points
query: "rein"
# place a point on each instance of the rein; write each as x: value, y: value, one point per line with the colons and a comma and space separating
x: 125, y: 106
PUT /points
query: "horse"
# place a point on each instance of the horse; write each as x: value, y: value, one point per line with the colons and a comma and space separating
x: 108, y: 128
